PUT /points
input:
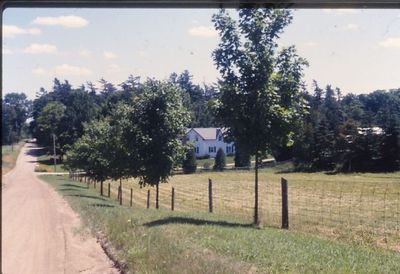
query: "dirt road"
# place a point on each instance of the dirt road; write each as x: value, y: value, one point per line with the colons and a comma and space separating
x: 40, y: 231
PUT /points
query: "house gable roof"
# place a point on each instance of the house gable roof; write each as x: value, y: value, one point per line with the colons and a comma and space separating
x: 209, y: 133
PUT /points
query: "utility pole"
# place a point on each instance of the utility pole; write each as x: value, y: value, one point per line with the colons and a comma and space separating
x: 54, y: 152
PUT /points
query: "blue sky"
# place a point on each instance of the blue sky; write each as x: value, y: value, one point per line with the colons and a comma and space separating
x: 356, y: 50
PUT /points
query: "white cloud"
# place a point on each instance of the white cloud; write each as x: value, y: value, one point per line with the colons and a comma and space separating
x: 311, y: 44
x: 391, y: 42
x: 85, y: 53
x: 40, y: 48
x: 341, y: 11
x: 70, y: 70
x: 351, y: 27
x: 39, y: 71
x: 69, y: 21
x: 202, y: 31
x: 10, y: 31
x: 109, y: 55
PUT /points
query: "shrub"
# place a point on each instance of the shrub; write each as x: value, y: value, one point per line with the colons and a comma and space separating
x: 189, y: 165
x: 242, y: 158
x: 220, y: 160
x: 207, y: 165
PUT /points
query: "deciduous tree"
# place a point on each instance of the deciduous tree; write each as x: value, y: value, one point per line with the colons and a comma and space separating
x: 260, y: 87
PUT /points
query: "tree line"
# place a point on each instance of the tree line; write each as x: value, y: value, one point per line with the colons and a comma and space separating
x: 15, y: 110
x: 348, y: 133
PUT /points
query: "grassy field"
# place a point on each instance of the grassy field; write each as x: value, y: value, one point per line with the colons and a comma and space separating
x: 229, y: 160
x: 9, y: 156
x: 46, y: 162
x: 161, y: 241
x: 360, y: 208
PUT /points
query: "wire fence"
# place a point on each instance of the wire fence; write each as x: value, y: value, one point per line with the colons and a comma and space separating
x: 362, y: 213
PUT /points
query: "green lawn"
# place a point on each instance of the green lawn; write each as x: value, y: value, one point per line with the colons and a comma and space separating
x: 46, y: 162
x: 9, y: 155
x: 210, y: 162
x: 161, y: 241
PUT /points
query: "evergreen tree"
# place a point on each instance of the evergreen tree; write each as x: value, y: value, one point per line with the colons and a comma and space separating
x: 189, y: 164
x: 220, y: 160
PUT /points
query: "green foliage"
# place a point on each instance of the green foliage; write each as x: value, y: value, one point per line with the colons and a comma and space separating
x: 199, y: 101
x: 260, y: 91
x: 49, y: 122
x: 81, y: 106
x: 15, y: 110
x: 93, y: 152
x: 242, y: 157
x: 220, y: 160
x: 338, y: 133
x: 189, y: 165
x: 139, y: 140
x: 160, y: 118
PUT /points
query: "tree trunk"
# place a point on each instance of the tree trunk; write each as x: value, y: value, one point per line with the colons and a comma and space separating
x: 256, y: 220
x: 157, y: 192
x: 101, y: 187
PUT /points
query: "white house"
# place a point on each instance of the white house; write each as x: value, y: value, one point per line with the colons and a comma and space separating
x: 207, y: 141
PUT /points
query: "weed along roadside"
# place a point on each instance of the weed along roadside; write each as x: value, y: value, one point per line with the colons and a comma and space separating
x: 149, y: 240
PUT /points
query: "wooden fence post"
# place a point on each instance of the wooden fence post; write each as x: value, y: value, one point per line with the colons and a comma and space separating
x: 173, y: 199
x: 120, y: 197
x: 131, y: 196
x: 210, y: 198
x: 285, y: 208
x: 109, y: 190
x: 148, y: 198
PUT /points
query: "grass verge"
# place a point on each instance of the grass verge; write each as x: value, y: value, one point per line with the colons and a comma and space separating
x: 9, y: 155
x: 161, y: 241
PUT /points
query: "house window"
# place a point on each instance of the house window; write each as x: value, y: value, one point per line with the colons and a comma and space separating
x: 212, y: 149
x: 197, y: 138
x: 220, y: 138
x: 197, y: 150
x: 228, y: 149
